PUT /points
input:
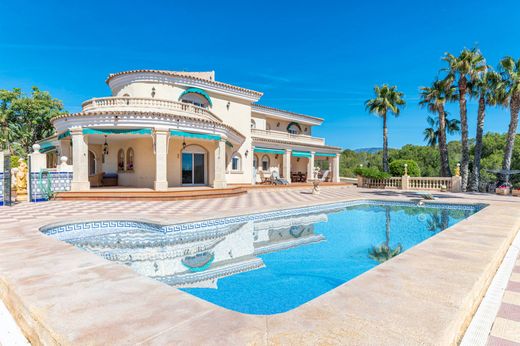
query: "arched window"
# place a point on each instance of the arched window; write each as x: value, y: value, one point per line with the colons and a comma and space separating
x: 255, y: 162
x: 294, y: 128
x: 195, y: 99
x: 253, y: 124
x: 130, y: 159
x: 121, y: 160
x: 91, y: 163
x: 236, y: 162
x: 265, y: 163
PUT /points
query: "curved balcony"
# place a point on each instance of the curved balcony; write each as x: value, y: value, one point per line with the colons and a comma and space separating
x: 285, y: 136
x: 146, y: 104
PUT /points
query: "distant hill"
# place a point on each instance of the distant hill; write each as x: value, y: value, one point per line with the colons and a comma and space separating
x: 368, y: 150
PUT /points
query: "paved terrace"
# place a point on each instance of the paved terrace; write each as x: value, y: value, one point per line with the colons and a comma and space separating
x: 427, y: 295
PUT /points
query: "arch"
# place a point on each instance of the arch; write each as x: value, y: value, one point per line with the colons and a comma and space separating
x: 194, y: 165
x: 191, y: 95
x: 236, y: 162
x: 121, y: 160
x: 253, y: 124
x: 266, y: 163
x: 91, y: 163
x: 255, y: 161
x: 294, y: 128
x: 130, y: 159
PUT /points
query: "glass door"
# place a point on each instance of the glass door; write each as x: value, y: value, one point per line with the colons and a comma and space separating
x: 193, y: 169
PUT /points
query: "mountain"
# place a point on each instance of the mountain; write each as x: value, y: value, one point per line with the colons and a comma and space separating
x: 368, y: 150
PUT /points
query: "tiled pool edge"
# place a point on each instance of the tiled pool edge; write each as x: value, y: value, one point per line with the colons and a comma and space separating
x: 169, y: 335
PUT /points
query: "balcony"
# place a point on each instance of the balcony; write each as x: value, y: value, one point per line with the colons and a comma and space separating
x: 147, y: 105
x: 285, y: 136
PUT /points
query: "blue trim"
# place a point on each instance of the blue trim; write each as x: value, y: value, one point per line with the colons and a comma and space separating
x: 325, y: 154
x: 197, y: 91
x: 269, y: 151
x: 91, y: 131
x: 301, y: 154
x: 195, y: 135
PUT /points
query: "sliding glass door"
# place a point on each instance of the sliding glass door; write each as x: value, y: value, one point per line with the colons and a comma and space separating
x: 193, y: 168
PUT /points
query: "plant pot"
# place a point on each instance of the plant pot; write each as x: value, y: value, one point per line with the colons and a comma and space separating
x: 516, y: 193
x: 504, y: 192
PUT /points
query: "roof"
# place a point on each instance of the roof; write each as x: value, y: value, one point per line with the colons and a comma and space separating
x: 189, y: 75
x: 271, y: 110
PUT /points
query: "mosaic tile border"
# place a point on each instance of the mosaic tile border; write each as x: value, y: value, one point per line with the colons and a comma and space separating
x: 92, y: 228
x: 60, y: 182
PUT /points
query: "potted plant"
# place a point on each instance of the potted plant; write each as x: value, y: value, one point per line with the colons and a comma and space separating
x: 516, y: 189
x: 503, y: 189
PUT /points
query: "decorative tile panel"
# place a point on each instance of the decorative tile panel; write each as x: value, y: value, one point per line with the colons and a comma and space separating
x: 40, y: 189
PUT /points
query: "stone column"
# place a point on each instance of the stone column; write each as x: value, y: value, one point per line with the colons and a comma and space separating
x: 405, y: 182
x: 310, y: 167
x: 65, y: 150
x: 161, y: 160
x: 80, y: 161
x: 287, y: 165
x: 335, y: 167
x: 220, y: 165
x: 456, y: 183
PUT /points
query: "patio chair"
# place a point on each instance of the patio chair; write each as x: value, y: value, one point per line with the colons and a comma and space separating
x: 96, y: 180
x: 264, y: 179
x: 325, y: 176
x: 277, y: 180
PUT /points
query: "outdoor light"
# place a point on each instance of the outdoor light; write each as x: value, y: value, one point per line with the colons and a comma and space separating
x: 278, y: 125
x: 298, y: 160
x: 228, y: 105
x: 183, y: 144
x: 276, y: 156
x: 246, y: 153
x: 105, y: 146
x: 153, y: 91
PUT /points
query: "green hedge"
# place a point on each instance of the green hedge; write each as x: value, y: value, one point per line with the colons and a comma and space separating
x: 371, y: 172
x: 397, y: 168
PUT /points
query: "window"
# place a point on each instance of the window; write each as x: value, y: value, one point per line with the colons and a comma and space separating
x: 235, y: 162
x: 293, y: 129
x: 91, y: 163
x: 255, y: 162
x: 265, y: 163
x: 253, y: 124
x: 195, y: 99
x: 121, y: 160
x: 130, y: 159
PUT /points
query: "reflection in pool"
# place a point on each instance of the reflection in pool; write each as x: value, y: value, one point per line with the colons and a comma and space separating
x: 268, y: 263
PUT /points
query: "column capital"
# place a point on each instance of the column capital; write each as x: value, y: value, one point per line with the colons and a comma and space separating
x: 161, y: 132
x: 76, y: 131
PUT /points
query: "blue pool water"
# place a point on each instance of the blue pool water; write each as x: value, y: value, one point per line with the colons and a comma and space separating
x: 294, y: 276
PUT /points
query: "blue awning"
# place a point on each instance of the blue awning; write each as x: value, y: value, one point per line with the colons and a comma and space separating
x: 45, y: 147
x: 208, y: 137
x: 197, y: 91
x: 325, y: 154
x: 269, y: 151
x: 301, y: 154
x: 91, y: 131
x: 64, y: 135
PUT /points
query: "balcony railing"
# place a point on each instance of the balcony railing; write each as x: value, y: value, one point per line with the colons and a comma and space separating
x: 270, y: 134
x: 147, y: 104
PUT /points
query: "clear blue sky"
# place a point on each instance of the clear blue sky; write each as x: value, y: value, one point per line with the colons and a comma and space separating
x: 318, y: 58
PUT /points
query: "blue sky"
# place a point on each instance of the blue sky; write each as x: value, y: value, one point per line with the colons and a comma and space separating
x: 317, y: 58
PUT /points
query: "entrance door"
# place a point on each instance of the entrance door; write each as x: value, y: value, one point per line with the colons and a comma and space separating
x: 193, y: 169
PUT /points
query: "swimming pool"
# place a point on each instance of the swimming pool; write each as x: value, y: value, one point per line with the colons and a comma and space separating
x: 267, y: 263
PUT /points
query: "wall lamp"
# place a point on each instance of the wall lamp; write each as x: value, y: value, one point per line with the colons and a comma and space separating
x: 246, y: 153
x: 153, y: 91
x: 228, y: 105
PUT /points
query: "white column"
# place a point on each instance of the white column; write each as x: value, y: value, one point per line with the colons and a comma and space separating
x: 335, y: 166
x: 287, y: 165
x: 310, y: 167
x: 80, y: 161
x: 65, y: 150
x: 220, y: 165
x: 161, y: 161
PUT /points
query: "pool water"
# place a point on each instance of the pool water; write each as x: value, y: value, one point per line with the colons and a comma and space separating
x: 294, y: 276
x: 266, y: 263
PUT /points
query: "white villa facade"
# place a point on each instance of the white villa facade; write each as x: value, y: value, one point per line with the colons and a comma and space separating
x: 164, y: 129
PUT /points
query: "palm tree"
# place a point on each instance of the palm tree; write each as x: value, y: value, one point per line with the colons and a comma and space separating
x: 383, y: 252
x: 510, y: 72
x: 434, y: 98
x: 431, y: 134
x: 487, y: 88
x: 466, y: 67
x: 387, y: 99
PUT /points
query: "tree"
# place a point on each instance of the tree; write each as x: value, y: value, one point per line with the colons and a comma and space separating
x: 466, y: 68
x: 387, y: 99
x: 434, y: 98
x: 487, y: 88
x: 28, y: 118
x: 431, y: 134
x: 510, y: 73
x: 397, y: 168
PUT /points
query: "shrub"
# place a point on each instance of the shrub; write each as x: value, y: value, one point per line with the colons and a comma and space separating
x: 371, y: 172
x: 397, y: 168
x: 516, y: 186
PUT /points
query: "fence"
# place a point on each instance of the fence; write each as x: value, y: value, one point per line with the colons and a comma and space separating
x: 406, y: 182
x: 44, y: 184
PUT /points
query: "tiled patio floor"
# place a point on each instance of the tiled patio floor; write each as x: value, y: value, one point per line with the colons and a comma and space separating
x: 26, y: 215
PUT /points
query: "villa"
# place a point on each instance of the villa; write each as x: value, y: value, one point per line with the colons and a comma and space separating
x: 163, y: 129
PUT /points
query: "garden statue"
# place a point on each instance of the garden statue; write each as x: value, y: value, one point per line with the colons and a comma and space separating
x: 21, y: 180
x: 315, y: 181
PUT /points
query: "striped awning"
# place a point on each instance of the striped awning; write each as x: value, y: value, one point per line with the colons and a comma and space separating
x: 306, y: 154
x: 208, y: 137
x: 269, y: 151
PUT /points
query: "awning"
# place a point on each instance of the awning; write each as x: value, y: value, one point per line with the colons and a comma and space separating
x: 325, y: 154
x: 208, y: 137
x: 197, y: 91
x: 301, y: 154
x: 64, y: 135
x: 45, y: 147
x: 269, y: 151
x: 90, y: 131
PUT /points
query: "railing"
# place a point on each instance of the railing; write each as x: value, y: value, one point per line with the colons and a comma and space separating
x: 434, y: 183
x: 287, y: 136
x: 121, y: 103
x: 452, y: 184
